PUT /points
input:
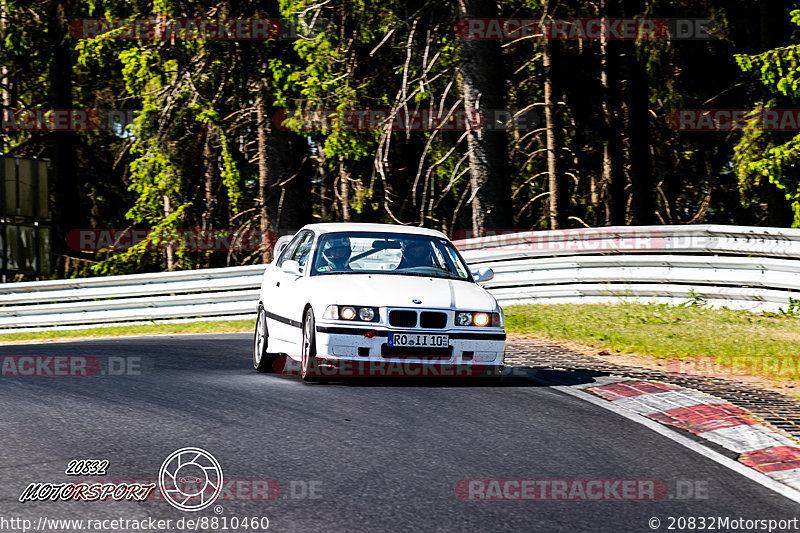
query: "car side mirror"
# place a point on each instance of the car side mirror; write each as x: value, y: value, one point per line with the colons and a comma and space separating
x: 280, y: 246
x: 291, y: 267
x: 482, y: 275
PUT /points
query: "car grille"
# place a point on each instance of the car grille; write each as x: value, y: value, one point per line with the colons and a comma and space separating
x: 433, y: 320
x: 403, y: 319
x: 412, y: 351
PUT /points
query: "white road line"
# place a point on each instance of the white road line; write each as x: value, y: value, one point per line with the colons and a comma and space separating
x: 746, y: 438
x: 789, y: 477
x: 667, y: 432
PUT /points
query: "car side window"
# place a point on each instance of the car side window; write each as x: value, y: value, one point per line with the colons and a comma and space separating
x: 303, y: 250
x: 290, y: 249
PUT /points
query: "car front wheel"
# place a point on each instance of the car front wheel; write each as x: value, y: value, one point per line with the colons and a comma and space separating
x: 309, y: 356
x: 262, y: 361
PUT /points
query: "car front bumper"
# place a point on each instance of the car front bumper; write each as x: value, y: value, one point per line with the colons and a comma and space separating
x: 362, y: 351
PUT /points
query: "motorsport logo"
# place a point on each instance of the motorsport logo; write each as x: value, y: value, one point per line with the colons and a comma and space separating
x: 87, y: 491
x: 196, y: 465
x: 190, y: 479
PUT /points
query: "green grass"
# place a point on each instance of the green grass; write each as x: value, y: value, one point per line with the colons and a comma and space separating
x: 657, y: 330
x: 661, y: 330
x: 153, y: 329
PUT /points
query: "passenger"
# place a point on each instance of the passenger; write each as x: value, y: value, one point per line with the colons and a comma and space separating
x: 416, y: 253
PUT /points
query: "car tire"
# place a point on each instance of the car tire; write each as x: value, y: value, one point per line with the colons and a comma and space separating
x: 262, y: 361
x: 497, y: 377
x: 492, y: 379
x: 308, y: 362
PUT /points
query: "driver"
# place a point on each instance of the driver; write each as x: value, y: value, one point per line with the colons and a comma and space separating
x: 337, y: 253
x: 416, y: 253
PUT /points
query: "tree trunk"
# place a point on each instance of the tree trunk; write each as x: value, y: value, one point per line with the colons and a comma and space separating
x: 263, y: 177
x: 169, y: 252
x: 594, y: 198
x: 344, y: 191
x: 67, y: 212
x: 643, y: 191
x: 210, y: 180
x: 613, y: 154
x: 482, y: 88
x: 554, y: 133
x: 637, y: 99
x: 323, y: 184
x: 5, y: 92
x: 6, y: 100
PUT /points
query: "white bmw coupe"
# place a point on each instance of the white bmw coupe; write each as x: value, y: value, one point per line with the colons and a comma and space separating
x: 349, y: 299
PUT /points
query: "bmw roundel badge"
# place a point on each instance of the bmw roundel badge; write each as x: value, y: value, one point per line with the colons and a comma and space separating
x: 416, y: 301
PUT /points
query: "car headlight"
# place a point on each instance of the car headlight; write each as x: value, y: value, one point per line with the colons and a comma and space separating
x: 479, y: 319
x: 351, y: 312
x: 464, y: 319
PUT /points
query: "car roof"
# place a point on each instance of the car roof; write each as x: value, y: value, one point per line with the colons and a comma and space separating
x: 333, y: 227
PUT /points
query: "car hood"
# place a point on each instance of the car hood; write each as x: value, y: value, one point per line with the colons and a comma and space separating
x: 398, y: 291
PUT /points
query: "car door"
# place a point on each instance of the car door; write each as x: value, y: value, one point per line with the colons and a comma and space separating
x: 270, y: 286
x: 287, y: 294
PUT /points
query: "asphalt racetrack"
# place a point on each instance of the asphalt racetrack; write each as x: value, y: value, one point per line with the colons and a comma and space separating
x: 344, y: 457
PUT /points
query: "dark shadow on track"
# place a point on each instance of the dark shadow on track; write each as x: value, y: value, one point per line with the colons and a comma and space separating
x: 518, y: 376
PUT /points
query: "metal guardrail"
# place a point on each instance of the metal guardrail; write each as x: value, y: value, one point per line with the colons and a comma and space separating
x: 211, y: 294
x: 739, y: 267
x: 750, y: 268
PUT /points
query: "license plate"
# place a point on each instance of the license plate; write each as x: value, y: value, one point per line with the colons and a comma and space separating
x: 418, y: 340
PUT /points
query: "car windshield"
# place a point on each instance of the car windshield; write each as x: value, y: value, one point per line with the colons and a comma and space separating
x: 388, y: 253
